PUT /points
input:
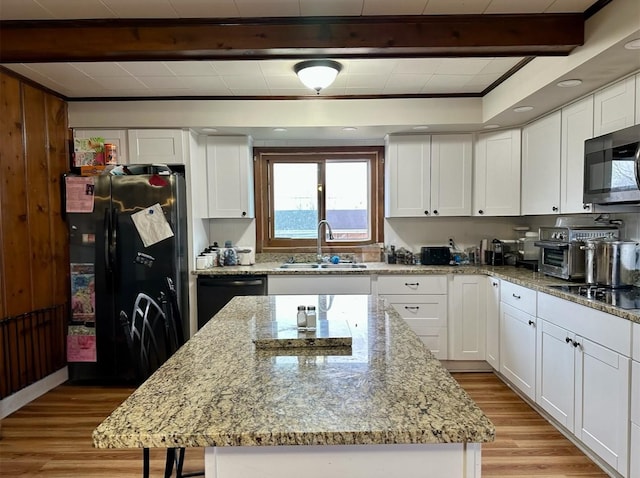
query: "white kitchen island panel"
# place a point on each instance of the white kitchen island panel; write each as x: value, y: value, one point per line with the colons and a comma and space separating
x: 453, y: 460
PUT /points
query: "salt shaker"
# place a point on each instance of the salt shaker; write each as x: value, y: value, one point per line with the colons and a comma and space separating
x: 311, y: 317
x: 302, y: 317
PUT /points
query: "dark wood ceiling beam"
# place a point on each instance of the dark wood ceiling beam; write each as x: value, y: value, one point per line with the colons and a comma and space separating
x: 281, y: 38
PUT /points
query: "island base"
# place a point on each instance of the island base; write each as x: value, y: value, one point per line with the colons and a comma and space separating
x: 451, y: 460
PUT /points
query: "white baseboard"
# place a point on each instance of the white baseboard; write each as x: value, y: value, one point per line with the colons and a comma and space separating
x: 467, y: 366
x: 14, y: 402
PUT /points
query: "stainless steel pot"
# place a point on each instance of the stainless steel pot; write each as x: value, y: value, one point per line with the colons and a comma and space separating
x: 611, y: 263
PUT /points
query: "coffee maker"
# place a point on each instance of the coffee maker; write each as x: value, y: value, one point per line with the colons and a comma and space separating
x: 494, y: 255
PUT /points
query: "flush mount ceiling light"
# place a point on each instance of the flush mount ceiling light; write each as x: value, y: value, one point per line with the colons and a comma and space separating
x: 317, y: 74
x: 633, y: 44
x: 569, y: 83
x: 491, y: 126
x: 420, y: 128
x: 522, y: 109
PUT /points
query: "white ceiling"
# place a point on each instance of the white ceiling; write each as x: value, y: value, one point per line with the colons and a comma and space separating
x: 426, y: 76
x: 275, y: 78
x: 77, y: 9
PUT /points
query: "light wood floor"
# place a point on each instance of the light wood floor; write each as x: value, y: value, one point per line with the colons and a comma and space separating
x: 51, y: 437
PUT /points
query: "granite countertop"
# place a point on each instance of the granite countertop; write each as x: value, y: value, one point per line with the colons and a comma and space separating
x: 218, y: 390
x: 521, y: 276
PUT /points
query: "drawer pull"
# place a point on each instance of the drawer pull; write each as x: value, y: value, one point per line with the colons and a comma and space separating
x: 415, y: 307
x: 568, y: 340
x: 412, y: 284
x: 516, y: 296
x: 531, y: 322
x: 576, y: 344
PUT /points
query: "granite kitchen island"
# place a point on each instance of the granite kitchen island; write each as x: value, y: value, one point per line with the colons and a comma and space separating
x: 380, y: 407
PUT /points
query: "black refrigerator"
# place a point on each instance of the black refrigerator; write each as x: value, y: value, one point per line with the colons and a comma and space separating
x: 119, y: 248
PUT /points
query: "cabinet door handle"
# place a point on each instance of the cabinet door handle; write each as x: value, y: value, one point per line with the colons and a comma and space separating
x: 585, y: 206
x: 244, y: 213
x: 576, y: 344
x: 435, y: 212
x: 494, y: 284
x: 415, y: 307
x: 480, y: 211
x: 554, y: 208
x: 426, y: 213
x: 568, y: 340
x: 531, y: 322
x: 516, y: 296
x: 412, y: 284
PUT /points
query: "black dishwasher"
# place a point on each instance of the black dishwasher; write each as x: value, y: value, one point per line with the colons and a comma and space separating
x: 214, y: 292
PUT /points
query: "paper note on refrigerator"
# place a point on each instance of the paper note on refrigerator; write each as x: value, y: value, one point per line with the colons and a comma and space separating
x: 79, y: 193
x: 151, y: 224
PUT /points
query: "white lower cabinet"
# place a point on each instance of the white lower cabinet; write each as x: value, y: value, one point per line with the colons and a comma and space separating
x: 493, y: 322
x: 634, y: 456
x: 518, y: 337
x: 518, y: 348
x: 555, y: 373
x: 583, y: 370
x: 422, y: 302
x: 602, y: 402
x: 467, y: 324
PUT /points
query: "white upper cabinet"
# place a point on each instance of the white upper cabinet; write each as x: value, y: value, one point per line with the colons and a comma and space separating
x: 541, y: 166
x: 497, y: 174
x: 111, y: 136
x: 229, y: 177
x: 451, y: 168
x: 428, y: 175
x: 614, y: 107
x: 157, y: 146
x: 408, y: 176
x: 577, y: 127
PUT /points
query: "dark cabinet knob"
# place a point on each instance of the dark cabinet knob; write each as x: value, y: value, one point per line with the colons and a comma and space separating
x: 531, y: 322
x: 568, y: 340
x: 435, y: 212
x: 426, y: 213
x: 585, y: 206
x: 480, y: 211
x: 244, y: 213
x: 554, y: 208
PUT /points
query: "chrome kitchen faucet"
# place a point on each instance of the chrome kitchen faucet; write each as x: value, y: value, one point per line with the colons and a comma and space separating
x: 328, y: 227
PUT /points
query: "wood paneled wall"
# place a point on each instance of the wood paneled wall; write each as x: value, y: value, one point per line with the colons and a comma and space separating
x: 34, y: 270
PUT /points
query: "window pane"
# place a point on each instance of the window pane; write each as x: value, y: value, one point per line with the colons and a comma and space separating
x: 295, y: 202
x: 347, y: 197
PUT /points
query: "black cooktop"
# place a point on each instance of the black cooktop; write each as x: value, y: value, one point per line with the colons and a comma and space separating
x: 625, y: 298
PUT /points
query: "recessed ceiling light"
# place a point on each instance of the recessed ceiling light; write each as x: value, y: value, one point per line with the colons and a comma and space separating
x: 279, y: 130
x: 209, y: 130
x: 349, y: 128
x: 420, y: 127
x: 569, y: 83
x: 633, y: 44
x: 491, y: 126
x: 522, y: 109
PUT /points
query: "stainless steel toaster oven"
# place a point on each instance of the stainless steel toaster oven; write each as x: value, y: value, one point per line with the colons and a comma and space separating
x: 562, y: 249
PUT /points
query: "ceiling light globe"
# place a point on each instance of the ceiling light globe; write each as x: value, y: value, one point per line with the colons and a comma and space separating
x: 317, y: 74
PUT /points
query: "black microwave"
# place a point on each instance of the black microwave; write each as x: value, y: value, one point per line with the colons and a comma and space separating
x: 612, y: 167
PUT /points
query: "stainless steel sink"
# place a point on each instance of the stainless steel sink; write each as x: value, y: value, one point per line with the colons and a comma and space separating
x: 306, y: 266
x: 346, y: 265
x: 299, y: 266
